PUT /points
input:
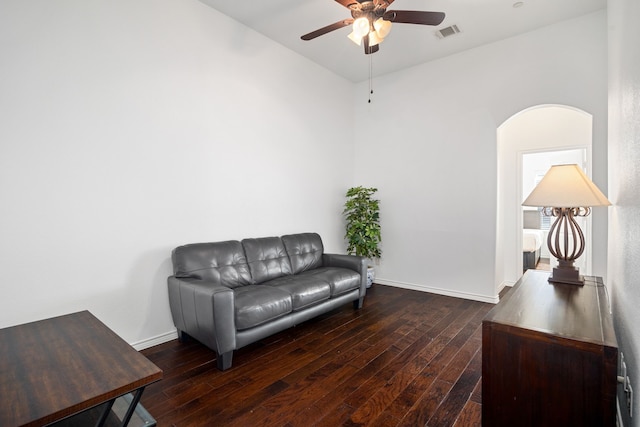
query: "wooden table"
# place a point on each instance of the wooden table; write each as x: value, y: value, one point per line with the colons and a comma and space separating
x: 549, y: 356
x: 54, y: 368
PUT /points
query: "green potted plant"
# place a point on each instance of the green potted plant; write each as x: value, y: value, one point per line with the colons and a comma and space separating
x: 362, y: 214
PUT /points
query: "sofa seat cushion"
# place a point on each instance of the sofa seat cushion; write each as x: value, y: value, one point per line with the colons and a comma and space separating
x: 305, y: 290
x: 257, y: 304
x: 341, y: 280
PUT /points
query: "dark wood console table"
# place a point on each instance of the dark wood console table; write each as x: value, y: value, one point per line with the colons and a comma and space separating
x: 549, y: 356
x: 55, y: 368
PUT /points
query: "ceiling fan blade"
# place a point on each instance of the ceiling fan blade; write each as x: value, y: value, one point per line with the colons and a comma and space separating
x: 414, y: 17
x: 327, y: 29
x: 346, y: 3
x: 349, y: 3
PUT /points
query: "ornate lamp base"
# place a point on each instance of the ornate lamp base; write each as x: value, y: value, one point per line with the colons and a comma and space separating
x: 567, y: 275
x: 566, y: 243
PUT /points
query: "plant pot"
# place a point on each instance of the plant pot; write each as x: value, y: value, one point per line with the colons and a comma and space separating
x: 371, y: 275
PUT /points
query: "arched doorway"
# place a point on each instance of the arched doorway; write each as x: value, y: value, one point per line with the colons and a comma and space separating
x: 543, y: 128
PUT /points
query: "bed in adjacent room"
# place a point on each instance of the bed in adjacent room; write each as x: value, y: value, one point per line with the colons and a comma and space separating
x: 532, y: 240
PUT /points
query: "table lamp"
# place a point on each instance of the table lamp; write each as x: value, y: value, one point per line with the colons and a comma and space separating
x: 565, y: 192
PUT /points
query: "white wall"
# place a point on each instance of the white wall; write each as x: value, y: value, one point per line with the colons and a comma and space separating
x: 128, y: 128
x: 428, y: 142
x: 624, y: 187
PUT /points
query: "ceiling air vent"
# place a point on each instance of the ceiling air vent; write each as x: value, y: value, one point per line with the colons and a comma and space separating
x: 447, y: 31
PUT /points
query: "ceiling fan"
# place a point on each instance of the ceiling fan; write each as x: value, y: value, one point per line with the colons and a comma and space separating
x: 372, y: 22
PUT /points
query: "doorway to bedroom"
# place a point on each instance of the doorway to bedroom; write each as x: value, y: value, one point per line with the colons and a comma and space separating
x: 548, y: 129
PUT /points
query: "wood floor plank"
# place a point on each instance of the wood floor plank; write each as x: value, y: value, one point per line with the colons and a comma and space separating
x: 347, y: 363
x: 470, y: 416
x: 337, y: 398
x: 179, y: 413
x: 363, y: 394
x: 379, y: 402
x: 338, y: 417
x: 449, y: 410
x: 406, y: 358
x: 423, y: 410
x: 476, y: 396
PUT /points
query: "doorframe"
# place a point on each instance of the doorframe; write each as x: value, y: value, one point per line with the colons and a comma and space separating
x: 509, y: 165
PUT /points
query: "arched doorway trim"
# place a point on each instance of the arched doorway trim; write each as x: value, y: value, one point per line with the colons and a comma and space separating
x: 539, y: 128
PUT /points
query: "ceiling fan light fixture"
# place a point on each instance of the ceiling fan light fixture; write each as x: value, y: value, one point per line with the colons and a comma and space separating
x: 371, y: 22
x: 361, y: 27
x: 382, y: 27
x: 355, y: 38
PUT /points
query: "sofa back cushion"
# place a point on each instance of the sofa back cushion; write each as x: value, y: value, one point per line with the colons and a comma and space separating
x: 267, y: 258
x: 220, y: 262
x: 305, y: 251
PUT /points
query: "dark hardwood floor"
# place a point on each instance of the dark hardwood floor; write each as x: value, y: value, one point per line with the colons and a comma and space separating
x: 407, y: 358
x: 543, y: 264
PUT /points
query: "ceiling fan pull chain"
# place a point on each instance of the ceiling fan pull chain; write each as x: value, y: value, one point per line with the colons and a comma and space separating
x: 370, y: 77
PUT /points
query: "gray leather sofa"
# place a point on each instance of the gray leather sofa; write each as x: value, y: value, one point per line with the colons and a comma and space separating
x: 230, y: 294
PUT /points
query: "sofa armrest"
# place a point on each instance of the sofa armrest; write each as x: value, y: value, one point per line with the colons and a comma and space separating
x: 204, y: 310
x: 352, y: 262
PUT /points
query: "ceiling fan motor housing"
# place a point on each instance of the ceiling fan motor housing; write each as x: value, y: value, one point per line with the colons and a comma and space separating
x: 368, y: 9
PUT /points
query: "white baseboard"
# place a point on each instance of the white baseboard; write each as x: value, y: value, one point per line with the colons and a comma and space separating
x: 619, y: 422
x: 507, y: 283
x: 160, y: 339
x: 504, y: 285
x: 439, y: 291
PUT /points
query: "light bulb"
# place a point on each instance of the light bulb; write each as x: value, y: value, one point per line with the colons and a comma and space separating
x: 383, y: 27
x: 361, y: 27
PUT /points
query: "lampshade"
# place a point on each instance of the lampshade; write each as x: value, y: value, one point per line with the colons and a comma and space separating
x: 382, y: 27
x: 566, y: 186
x: 374, y: 39
x: 361, y: 27
x: 355, y: 38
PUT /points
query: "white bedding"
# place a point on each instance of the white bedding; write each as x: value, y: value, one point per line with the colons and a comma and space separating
x: 531, y: 239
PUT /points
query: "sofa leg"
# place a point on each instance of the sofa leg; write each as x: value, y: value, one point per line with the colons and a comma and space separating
x: 357, y: 304
x: 224, y: 360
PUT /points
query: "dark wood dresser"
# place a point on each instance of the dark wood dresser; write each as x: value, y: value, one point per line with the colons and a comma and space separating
x: 549, y: 356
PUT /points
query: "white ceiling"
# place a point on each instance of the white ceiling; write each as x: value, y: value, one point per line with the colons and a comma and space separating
x: 480, y: 22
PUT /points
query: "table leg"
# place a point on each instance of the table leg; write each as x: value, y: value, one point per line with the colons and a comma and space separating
x: 132, y: 406
x: 105, y: 413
